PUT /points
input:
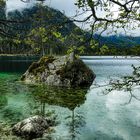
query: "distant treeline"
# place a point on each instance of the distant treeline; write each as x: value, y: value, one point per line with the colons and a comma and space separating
x: 118, y: 41
x: 105, y: 50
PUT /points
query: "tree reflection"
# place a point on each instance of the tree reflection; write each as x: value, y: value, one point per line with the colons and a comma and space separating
x: 3, y: 101
x: 67, y: 98
x: 75, y: 121
x: 3, y: 91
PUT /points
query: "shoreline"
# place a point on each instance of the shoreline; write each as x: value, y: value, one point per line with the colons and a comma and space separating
x: 82, y: 56
x: 17, y: 55
x: 110, y: 57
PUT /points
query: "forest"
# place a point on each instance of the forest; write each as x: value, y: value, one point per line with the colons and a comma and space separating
x: 68, y: 35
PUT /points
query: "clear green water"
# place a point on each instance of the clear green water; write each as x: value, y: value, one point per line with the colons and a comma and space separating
x: 81, y: 114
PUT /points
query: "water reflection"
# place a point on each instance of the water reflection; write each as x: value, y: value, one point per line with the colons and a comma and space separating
x: 75, y: 121
x: 3, y: 101
x: 16, y: 63
x: 106, y: 118
x: 66, y: 98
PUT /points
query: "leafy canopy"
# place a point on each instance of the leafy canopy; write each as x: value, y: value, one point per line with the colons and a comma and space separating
x: 103, y: 14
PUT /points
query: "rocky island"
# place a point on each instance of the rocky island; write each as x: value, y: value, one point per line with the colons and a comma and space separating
x: 65, y: 71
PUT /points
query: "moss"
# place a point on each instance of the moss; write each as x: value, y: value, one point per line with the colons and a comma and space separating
x: 39, y: 70
x: 33, y: 66
x: 41, y: 65
x: 23, y: 77
x: 45, y: 60
x: 6, y: 133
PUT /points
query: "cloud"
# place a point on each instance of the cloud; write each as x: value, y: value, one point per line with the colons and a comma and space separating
x: 62, y: 5
x: 66, y: 6
x: 16, y: 5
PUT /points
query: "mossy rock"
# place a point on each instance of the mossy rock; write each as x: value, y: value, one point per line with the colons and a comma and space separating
x: 23, y: 77
x: 61, y: 71
x: 46, y: 60
x: 41, y: 65
x: 73, y: 71
x: 33, y: 66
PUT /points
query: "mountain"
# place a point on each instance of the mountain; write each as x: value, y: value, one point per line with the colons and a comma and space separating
x: 118, y: 41
x: 70, y: 32
x: 30, y: 18
x: 51, y: 17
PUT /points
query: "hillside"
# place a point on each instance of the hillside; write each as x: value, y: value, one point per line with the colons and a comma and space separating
x: 52, y: 17
x: 118, y: 41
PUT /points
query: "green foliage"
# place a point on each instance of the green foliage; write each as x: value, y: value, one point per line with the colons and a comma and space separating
x: 39, y: 67
x: 2, y: 3
x: 104, y: 50
x: 127, y: 12
x: 126, y: 83
x: 37, y: 38
x: 42, y: 38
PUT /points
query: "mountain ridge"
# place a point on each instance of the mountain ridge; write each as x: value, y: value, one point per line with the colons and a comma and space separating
x: 118, y: 41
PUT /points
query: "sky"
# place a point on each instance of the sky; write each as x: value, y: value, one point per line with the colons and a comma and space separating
x: 62, y: 5
x: 66, y: 6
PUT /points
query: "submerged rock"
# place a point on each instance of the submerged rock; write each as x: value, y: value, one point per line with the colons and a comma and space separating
x: 65, y: 71
x: 5, y: 132
x: 30, y: 128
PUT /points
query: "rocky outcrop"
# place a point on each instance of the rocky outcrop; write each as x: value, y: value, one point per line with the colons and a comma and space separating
x: 30, y: 128
x: 65, y: 71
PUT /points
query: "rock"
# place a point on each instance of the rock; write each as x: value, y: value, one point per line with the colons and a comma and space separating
x: 65, y: 71
x: 51, y: 66
x: 30, y: 128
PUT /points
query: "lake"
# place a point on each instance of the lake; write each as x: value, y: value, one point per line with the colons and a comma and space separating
x: 81, y: 114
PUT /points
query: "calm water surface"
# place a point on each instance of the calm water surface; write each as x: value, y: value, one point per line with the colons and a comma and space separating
x: 81, y: 114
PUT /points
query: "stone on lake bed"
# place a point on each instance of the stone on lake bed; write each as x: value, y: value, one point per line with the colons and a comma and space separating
x: 30, y: 128
x: 64, y: 71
